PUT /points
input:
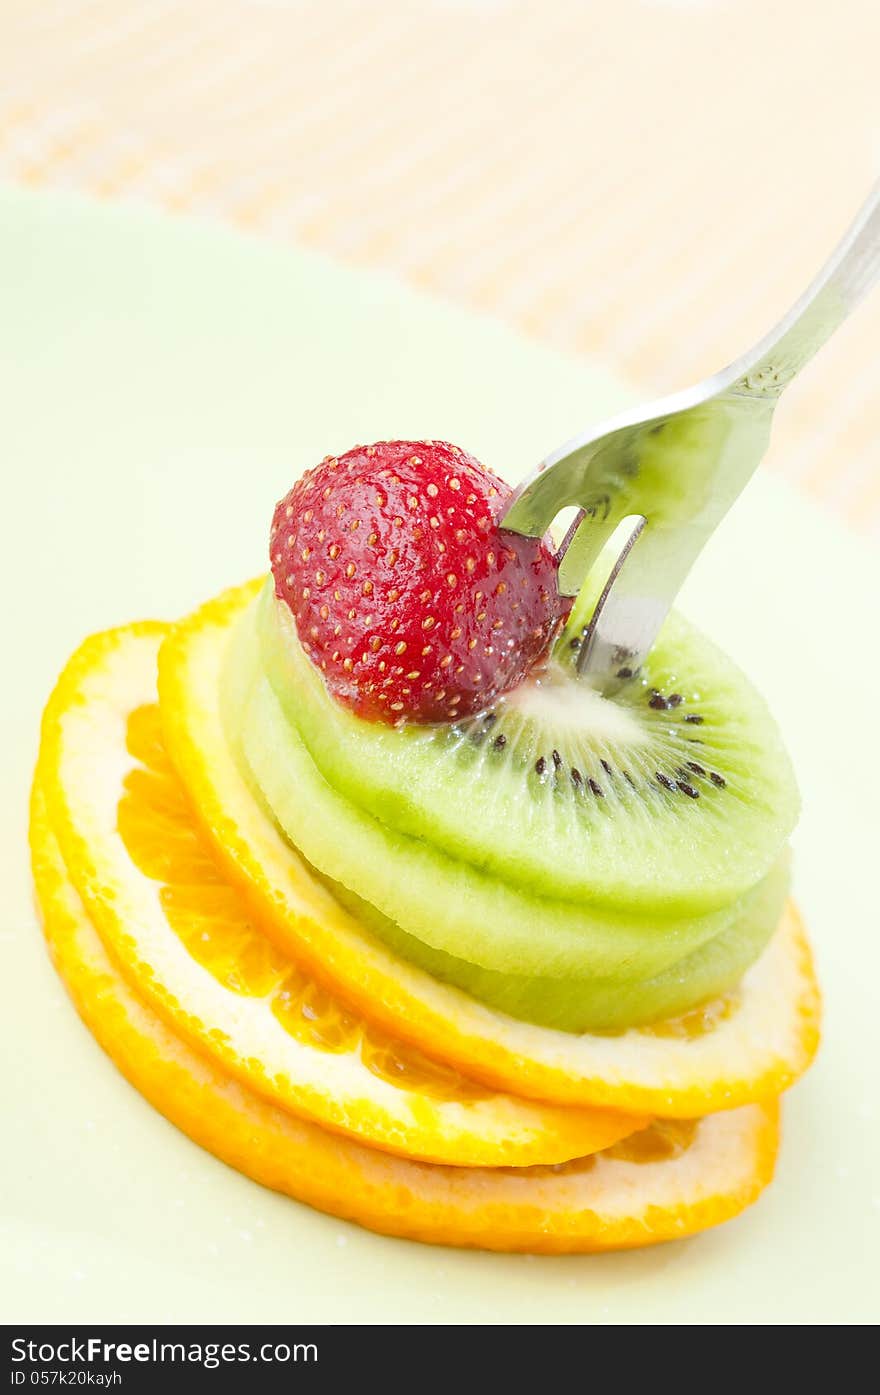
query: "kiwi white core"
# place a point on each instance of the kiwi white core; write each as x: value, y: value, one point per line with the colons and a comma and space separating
x: 560, y: 706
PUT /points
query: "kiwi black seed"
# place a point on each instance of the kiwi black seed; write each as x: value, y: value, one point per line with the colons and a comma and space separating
x: 580, y: 770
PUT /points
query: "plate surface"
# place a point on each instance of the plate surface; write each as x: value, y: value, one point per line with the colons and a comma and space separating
x: 162, y: 381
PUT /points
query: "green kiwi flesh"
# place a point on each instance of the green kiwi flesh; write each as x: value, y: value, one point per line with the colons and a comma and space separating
x: 600, y: 1004
x: 447, y: 904
x: 671, y: 799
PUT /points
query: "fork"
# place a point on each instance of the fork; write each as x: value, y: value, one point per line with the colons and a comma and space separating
x: 674, y: 467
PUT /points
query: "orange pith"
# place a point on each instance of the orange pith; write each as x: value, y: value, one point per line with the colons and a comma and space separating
x: 749, y: 1045
x: 670, y: 1180
x: 191, y: 947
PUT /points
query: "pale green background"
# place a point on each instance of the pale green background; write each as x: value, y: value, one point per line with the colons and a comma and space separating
x: 160, y: 384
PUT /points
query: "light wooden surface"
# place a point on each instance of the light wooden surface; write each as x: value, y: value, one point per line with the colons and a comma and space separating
x: 647, y: 181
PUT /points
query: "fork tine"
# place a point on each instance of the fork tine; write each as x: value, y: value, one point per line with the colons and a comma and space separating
x: 596, y: 635
x: 580, y: 549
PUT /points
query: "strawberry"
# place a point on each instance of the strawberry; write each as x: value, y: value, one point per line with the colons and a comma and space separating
x: 407, y: 595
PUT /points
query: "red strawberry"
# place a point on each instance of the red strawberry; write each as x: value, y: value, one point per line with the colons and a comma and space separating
x: 407, y: 595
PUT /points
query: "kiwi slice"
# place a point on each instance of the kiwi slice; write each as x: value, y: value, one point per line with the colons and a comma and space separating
x: 600, y: 1004
x: 448, y: 904
x: 675, y: 795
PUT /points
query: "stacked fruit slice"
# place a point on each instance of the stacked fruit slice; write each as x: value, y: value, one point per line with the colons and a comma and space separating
x: 518, y: 972
x: 275, y: 1027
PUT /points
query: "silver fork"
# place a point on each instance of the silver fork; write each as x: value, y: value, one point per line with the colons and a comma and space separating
x: 675, y: 466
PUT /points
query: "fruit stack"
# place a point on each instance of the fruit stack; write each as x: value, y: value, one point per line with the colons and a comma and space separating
x: 364, y: 889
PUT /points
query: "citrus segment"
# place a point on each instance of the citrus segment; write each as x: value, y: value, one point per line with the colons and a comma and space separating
x: 666, y: 1182
x: 190, y: 945
x: 762, y: 1042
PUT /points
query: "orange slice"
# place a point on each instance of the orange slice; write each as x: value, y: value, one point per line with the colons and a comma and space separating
x: 664, y: 1183
x: 749, y: 1046
x: 187, y: 942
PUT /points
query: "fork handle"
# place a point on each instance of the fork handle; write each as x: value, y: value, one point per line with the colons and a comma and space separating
x: 846, y: 277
